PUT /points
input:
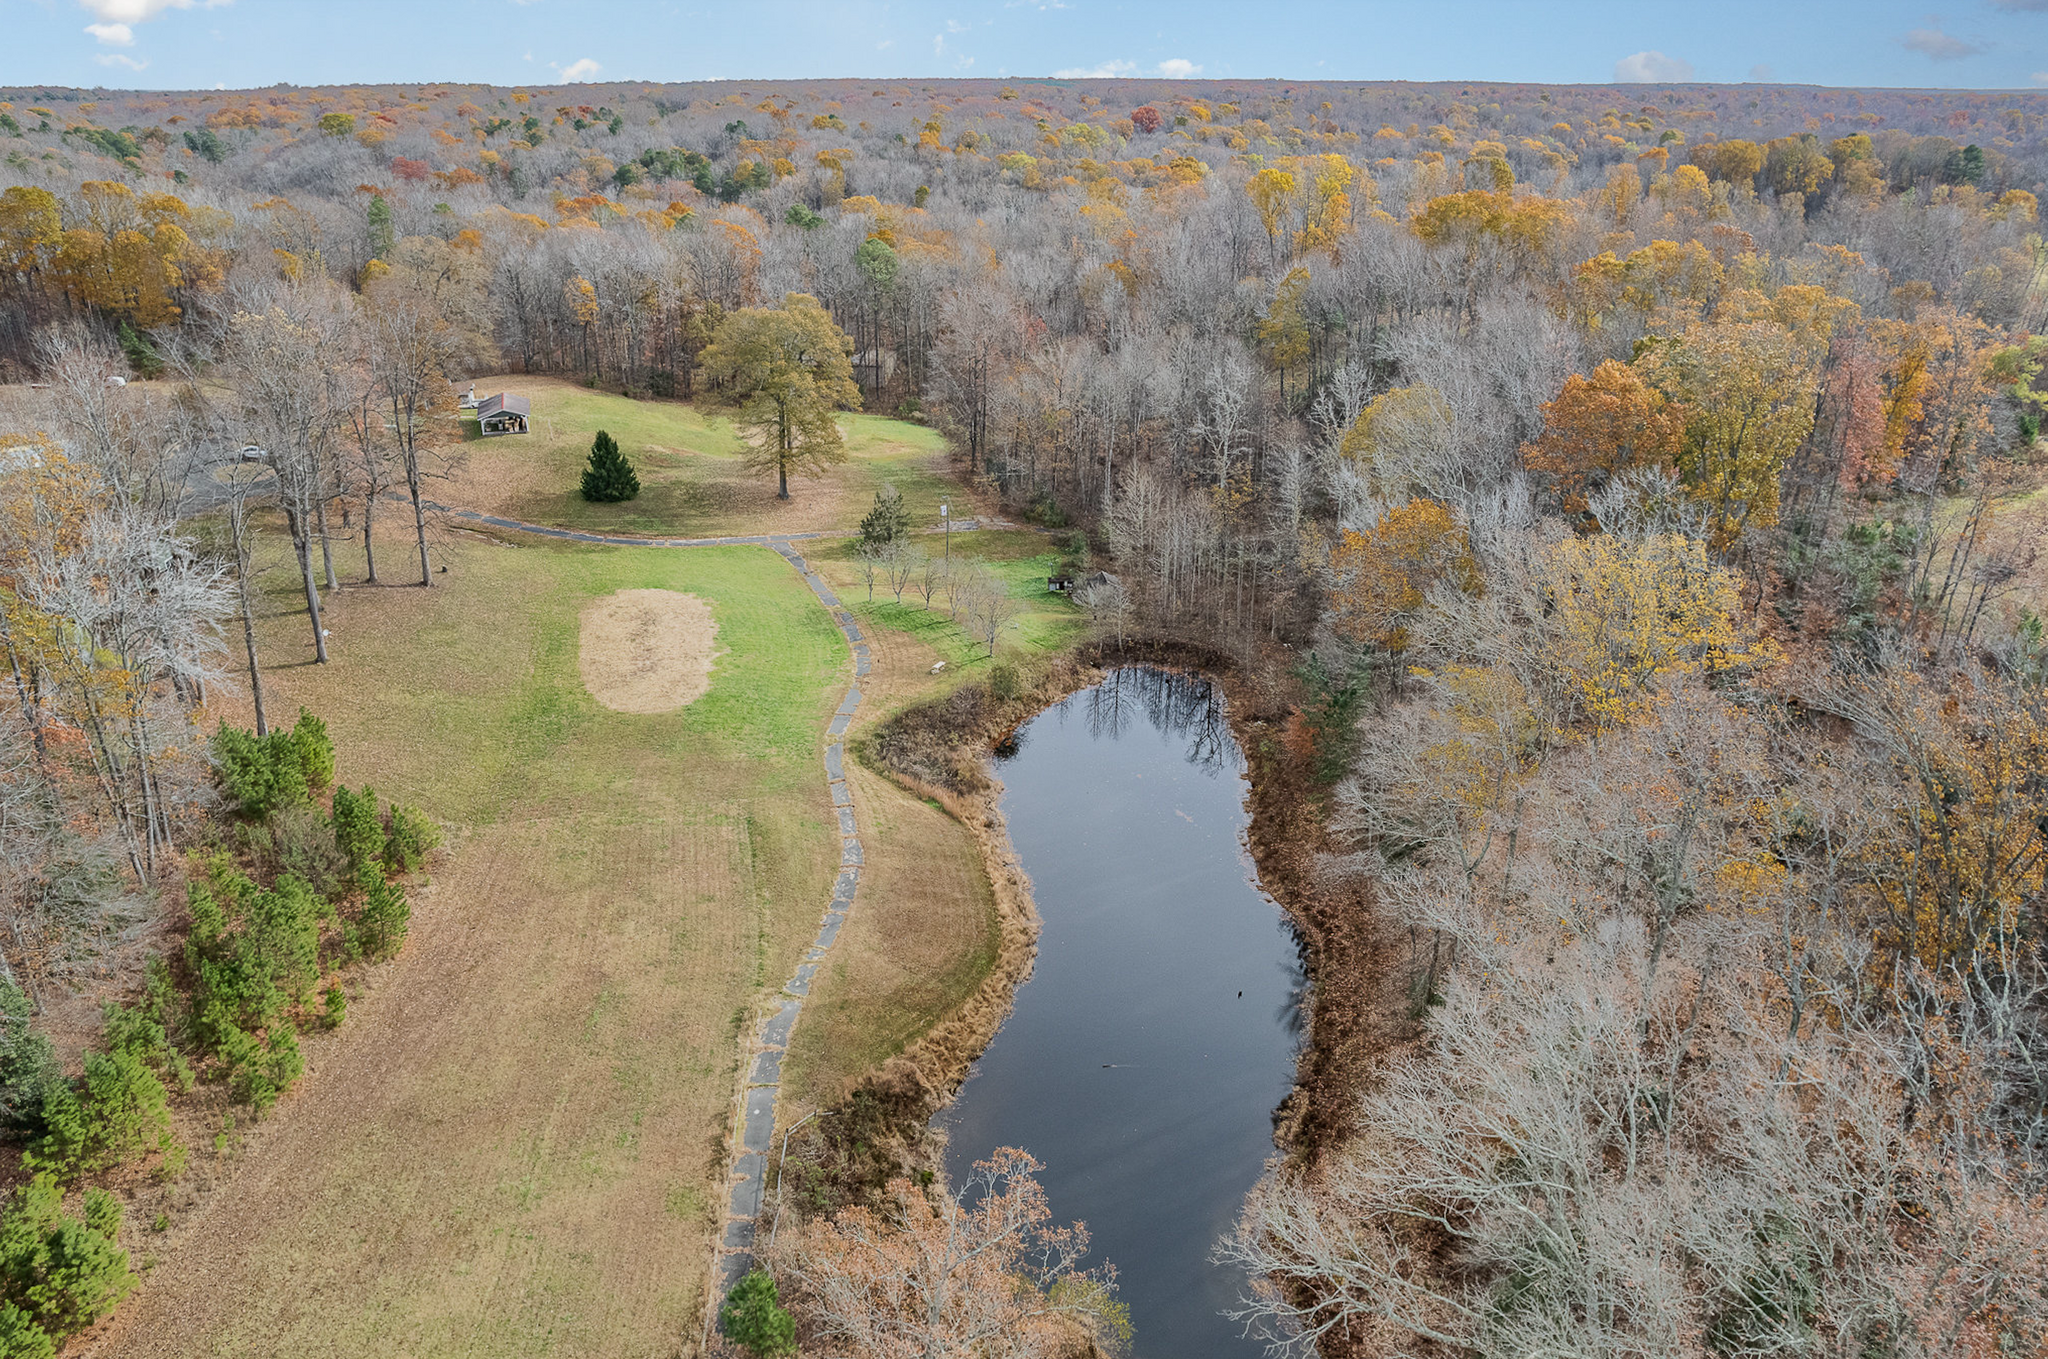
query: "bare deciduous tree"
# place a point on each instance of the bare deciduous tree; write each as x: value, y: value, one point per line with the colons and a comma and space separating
x: 981, y: 1272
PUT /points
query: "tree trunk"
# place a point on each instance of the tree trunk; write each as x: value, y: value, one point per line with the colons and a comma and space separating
x: 326, y: 547
x: 369, y: 546
x: 302, y: 544
x: 237, y: 521
x: 419, y: 512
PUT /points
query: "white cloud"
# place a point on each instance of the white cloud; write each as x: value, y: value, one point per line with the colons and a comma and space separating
x: 583, y: 68
x: 1763, y: 73
x: 1644, y: 67
x: 1173, y: 68
x: 113, y: 35
x: 2039, y: 77
x: 1936, y: 45
x: 954, y: 26
x: 1108, y: 70
x: 140, y: 11
x: 117, y: 59
x: 885, y: 44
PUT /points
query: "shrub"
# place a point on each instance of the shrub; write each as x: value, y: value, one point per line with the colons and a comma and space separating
x: 28, y: 1068
x: 1004, y: 683
x: 409, y: 839
x: 334, y: 1006
x: 385, y: 916
x: 260, y: 1071
x: 253, y: 953
x: 259, y: 774
x: 357, y: 832
x: 262, y: 775
x: 59, y: 1273
x: 753, y: 1317
x: 316, y: 750
x: 303, y: 845
x: 21, y: 1338
x: 145, y: 1028
x: 122, y: 1113
x: 609, y: 478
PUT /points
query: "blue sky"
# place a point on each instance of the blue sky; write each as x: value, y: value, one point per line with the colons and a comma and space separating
x: 198, y: 44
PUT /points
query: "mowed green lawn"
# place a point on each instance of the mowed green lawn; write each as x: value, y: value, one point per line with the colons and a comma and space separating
x: 1022, y: 560
x: 514, y: 1146
x: 687, y: 457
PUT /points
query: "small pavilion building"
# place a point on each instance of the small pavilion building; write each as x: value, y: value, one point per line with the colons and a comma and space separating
x: 503, y: 414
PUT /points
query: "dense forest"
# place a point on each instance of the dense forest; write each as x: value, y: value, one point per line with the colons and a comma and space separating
x: 1635, y: 486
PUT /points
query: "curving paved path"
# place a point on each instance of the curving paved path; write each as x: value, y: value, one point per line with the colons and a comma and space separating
x: 748, y: 1183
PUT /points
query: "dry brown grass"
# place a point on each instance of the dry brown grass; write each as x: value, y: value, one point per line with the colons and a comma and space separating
x: 925, y: 930
x: 647, y: 651
x: 514, y: 1146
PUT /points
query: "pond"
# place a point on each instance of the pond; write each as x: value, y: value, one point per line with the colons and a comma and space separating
x: 1145, y: 1056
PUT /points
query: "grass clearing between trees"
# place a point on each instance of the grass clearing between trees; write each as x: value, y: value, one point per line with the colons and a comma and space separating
x: 514, y: 1147
x: 687, y: 457
x: 1021, y: 559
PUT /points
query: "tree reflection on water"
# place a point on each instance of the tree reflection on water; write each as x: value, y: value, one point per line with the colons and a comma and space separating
x: 1181, y: 706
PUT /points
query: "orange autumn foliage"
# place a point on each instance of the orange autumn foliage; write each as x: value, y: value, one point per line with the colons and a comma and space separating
x: 1386, y: 573
x: 1601, y: 426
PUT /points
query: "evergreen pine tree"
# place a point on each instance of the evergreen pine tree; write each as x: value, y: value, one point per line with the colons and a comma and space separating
x: 753, y: 1317
x: 381, y: 230
x: 887, y: 521
x: 609, y: 478
x: 141, y: 354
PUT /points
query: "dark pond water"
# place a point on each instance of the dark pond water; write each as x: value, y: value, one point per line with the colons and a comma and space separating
x: 1131, y: 1066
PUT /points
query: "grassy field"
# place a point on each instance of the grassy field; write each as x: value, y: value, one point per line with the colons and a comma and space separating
x: 1022, y: 560
x: 688, y: 460
x: 514, y: 1146
x: 925, y: 933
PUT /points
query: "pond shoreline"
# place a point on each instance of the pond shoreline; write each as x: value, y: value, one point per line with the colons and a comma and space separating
x: 1356, y: 1014
x: 1160, y: 1029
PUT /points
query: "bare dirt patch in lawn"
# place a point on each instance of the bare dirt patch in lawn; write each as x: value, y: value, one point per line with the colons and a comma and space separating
x: 647, y: 651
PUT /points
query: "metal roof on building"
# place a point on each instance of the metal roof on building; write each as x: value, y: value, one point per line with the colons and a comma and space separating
x: 503, y: 401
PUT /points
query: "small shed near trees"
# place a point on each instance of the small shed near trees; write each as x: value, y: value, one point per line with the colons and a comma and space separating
x: 503, y: 414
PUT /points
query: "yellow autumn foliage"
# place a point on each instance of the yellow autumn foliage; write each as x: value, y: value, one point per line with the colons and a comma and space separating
x: 1626, y: 617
